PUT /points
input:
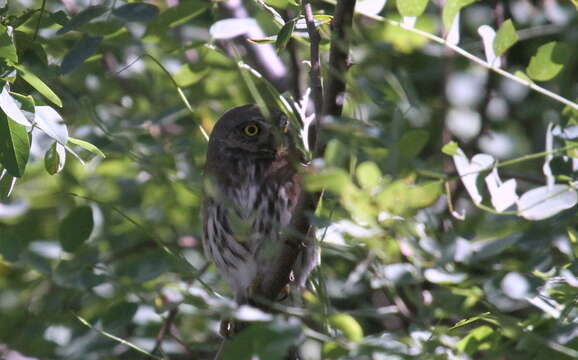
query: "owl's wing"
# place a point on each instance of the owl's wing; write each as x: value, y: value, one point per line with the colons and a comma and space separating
x: 294, y: 244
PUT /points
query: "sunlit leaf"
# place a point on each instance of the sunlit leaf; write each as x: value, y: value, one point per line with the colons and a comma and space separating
x: 541, y: 203
x: 475, y: 339
x: 548, y: 61
x: 371, y: 7
x: 76, y: 228
x: 230, y: 28
x: 14, y: 146
x: 50, y: 121
x: 7, y: 48
x: 451, y: 9
x: 469, y: 171
x: 505, y: 38
x: 368, y: 175
x: 26, y: 105
x: 87, y: 146
x: 503, y: 195
x: 488, y: 35
x: 11, y: 108
x: 334, y: 179
x: 39, y: 85
x: 450, y: 148
x: 411, y: 7
x: 347, y: 325
x: 443, y: 277
x: 406, y: 41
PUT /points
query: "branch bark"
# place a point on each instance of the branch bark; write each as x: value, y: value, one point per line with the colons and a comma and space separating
x: 338, y: 58
x: 261, y: 57
x: 314, y: 74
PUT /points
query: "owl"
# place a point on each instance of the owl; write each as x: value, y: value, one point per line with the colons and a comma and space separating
x: 255, y: 226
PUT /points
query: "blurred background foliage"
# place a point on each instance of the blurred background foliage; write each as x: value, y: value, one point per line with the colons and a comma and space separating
x: 103, y: 259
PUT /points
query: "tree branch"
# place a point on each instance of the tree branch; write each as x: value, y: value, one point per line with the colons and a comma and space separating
x: 314, y: 74
x: 338, y: 58
x: 261, y: 57
x: 165, y: 329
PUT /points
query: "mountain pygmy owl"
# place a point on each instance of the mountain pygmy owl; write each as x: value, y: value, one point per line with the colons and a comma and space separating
x: 254, y: 226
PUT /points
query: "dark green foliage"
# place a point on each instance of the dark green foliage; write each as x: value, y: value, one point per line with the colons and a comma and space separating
x: 100, y: 235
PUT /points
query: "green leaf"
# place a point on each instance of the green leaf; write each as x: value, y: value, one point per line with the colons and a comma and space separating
x: 412, y: 143
x: 54, y: 158
x: 187, y: 77
x: 174, y: 16
x: 7, y: 48
x: 368, y: 175
x: 451, y: 9
x: 411, y: 7
x: 333, y: 179
x: 548, y: 61
x: 119, y: 315
x: 87, y: 146
x: 39, y: 85
x: 522, y: 75
x: 26, y: 103
x: 143, y: 266
x: 81, y: 51
x: 7, y: 182
x: 348, y: 326
x: 476, y: 340
x: 406, y: 41
x: 11, y: 245
x: 76, y: 228
x: 269, y: 341
x: 506, y: 37
x: 336, y: 153
x: 14, y: 145
x: 141, y: 12
x: 285, y: 35
x: 82, y: 18
x: 424, y: 195
x: 450, y: 148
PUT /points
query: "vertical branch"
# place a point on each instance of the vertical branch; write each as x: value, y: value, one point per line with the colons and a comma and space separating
x: 338, y: 57
x: 314, y: 73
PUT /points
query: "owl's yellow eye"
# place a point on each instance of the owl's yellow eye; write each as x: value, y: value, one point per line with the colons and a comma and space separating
x: 251, y: 130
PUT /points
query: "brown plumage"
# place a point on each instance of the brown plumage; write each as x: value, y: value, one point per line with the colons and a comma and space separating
x: 254, y: 225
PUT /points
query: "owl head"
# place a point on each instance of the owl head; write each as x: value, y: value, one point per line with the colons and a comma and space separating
x: 245, y: 131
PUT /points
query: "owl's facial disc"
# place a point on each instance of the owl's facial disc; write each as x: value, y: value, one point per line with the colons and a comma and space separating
x: 255, y: 137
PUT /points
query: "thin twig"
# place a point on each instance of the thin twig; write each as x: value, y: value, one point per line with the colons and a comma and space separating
x: 165, y: 329
x: 314, y: 74
x: 42, y: 8
x: 338, y: 57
